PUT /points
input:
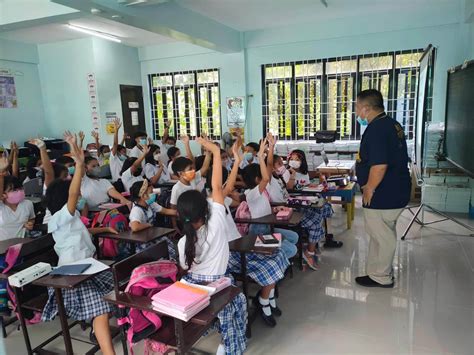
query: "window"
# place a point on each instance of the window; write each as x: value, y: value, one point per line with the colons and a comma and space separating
x: 300, y: 98
x: 189, y: 99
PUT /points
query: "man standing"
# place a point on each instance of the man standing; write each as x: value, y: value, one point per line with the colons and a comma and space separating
x: 382, y: 173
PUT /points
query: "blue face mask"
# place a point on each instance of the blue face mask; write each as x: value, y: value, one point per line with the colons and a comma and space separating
x: 143, y: 141
x: 248, y: 156
x: 122, y: 157
x: 362, y: 121
x: 71, y: 170
x: 80, y: 204
x: 151, y: 199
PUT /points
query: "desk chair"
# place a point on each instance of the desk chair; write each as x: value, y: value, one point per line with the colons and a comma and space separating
x: 34, y: 187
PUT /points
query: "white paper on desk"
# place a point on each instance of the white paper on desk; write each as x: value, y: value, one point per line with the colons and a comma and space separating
x: 96, y: 266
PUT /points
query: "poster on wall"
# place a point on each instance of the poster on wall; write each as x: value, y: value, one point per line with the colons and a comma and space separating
x: 7, y: 91
x: 110, y: 118
x: 235, y: 111
x: 94, y: 101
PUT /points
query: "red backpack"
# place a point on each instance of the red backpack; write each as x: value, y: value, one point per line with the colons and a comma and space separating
x: 147, y: 280
x: 110, y: 218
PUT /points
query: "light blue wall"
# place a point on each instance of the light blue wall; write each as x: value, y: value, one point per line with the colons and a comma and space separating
x: 63, y: 69
x: 175, y: 57
x: 114, y: 65
x: 27, y: 120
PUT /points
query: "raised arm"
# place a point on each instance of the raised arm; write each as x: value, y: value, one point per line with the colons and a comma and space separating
x: 45, y: 161
x: 138, y: 163
x: 166, y: 132
x: 271, y: 148
x: 15, y: 153
x: 155, y: 178
x: 4, y: 164
x: 95, y: 135
x: 117, y: 125
x: 189, y: 153
x: 216, y: 182
x: 229, y: 187
x: 206, y: 163
x: 81, y: 136
x: 75, y: 188
x: 263, y: 168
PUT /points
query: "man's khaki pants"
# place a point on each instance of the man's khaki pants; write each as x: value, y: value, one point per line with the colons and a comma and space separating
x: 380, y: 226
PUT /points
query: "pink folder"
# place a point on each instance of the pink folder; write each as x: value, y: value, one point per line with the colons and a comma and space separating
x: 180, y: 296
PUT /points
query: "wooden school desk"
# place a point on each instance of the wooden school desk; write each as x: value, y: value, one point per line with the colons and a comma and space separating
x: 271, y: 220
x: 175, y: 333
x: 67, y: 282
x: 144, y: 236
x: 337, y: 167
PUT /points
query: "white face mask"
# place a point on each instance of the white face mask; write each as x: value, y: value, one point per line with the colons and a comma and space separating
x: 295, y: 164
x: 156, y: 156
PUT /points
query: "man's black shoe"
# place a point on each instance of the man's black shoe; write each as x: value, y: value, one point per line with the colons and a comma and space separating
x: 366, y: 281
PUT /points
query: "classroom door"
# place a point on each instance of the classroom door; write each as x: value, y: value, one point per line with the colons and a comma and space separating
x: 133, y: 112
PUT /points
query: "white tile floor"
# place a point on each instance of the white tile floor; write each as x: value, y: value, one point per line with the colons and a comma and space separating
x: 430, y: 310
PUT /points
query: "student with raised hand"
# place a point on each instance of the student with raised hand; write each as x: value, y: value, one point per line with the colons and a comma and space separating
x: 14, y: 155
x: 103, y: 151
x: 132, y: 170
x: 257, y: 178
x: 73, y: 243
x: 17, y: 215
x: 154, y: 170
x: 265, y: 270
x: 204, y: 251
x: 251, y: 155
x: 95, y: 190
x: 118, y: 154
x: 141, y: 141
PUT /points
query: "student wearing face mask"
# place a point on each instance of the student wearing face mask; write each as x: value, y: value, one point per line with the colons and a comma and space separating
x: 132, y: 170
x: 103, y: 155
x: 97, y: 191
x: 166, y: 142
x: 250, y: 155
x: 154, y: 170
x: 118, y: 154
x: 141, y: 141
x: 226, y: 161
x: 33, y: 169
x: 17, y: 215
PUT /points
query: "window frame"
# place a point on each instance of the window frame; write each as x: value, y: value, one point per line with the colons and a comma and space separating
x: 175, y: 129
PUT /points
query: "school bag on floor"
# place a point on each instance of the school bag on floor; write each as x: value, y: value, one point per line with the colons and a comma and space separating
x: 147, y: 280
x: 110, y: 248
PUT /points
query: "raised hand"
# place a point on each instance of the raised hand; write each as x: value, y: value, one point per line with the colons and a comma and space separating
x: 81, y: 136
x: 95, y: 135
x: 208, y: 145
x: 236, y: 152
x: 263, y: 145
x: 117, y: 124
x: 150, y: 141
x: 168, y: 123
x: 4, y: 163
x: 185, y: 139
x: 14, y: 147
x: 37, y: 142
x: 70, y: 138
x: 145, y: 149
x: 271, y: 139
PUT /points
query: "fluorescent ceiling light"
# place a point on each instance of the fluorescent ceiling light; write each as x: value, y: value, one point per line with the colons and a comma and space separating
x: 94, y: 33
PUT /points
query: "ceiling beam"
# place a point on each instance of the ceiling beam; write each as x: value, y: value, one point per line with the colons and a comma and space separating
x: 40, y: 21
x: 168, y: 19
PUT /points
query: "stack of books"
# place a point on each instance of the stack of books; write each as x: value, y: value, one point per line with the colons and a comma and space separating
x: 180, y: 300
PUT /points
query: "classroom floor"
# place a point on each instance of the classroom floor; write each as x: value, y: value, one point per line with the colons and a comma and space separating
x: 430, y: 310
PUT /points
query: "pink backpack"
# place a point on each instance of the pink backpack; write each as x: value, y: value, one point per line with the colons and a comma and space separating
x: 147, y: 280
x: 114, y: 219
x: 243, y: 212
x: 11, y: 258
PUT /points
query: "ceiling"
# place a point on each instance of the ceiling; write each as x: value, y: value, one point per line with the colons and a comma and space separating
x: 248, y: 15
x: 56, y: 32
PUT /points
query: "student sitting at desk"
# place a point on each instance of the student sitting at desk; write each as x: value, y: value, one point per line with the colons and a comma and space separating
x: 33, y: 169
x: 72, y: 243
x: 265, y: 270
x: 143, y: 213
x: 132, y: 170
x: 68, y: 162
x: 95, y: 190
x: 256, y: 178
x: 118, y: 154
x: 17, y: 215
x: 204, y: 252
x: 154, y: 170
x: 250, y: 155
x: 103, y: 151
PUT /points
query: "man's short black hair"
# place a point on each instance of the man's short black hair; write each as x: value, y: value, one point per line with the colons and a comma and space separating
x: 139, y: 134
x: 372, y: 98
x: 254, y: 146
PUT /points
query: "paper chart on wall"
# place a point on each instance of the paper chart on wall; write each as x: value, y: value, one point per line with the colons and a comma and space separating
x: 8, y: 97
x: 135, y: 121
x: 94, y: 101
x: 110, y: 118
x: 235, y: 111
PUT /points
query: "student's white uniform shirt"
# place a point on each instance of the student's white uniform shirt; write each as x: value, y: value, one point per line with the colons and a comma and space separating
x: 170, y: 168
x: 12, y: 222
x: 144, y: 215
x: 301, y: 179
x: 128, y: 179
x: 115, y: 166
x: 232, y: 231
x: 151, y: 170
x: 72, y: 239
x: 277, y: 190
x: 95, y: 191
x: 212, y: 246
x: 179, y: 188
x: 259, y: 205
x: 136, y: 152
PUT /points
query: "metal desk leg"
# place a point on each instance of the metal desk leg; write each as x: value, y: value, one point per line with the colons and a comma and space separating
x: 23, y: 323
x: 178, y: 331
x: 349, y: 214
x: 64, y: 325
x: 243, y: 270
x: 353, y: 207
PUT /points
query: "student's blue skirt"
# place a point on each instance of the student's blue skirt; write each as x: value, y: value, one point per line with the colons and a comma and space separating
x: 173, y: 255
x: 232, y: 319
x: 312, y: 221
x: 263, y: 269
x: 84, y: 302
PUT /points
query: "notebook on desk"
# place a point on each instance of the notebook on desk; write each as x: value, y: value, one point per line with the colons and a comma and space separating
x: 69, y: 270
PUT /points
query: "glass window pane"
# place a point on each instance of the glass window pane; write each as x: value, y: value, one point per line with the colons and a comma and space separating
x: 208, y: 77
x: 301, y: 109
x: 278, y: 72
x: 312, y: 69
x: 408, y: 60
x: 341, y: 66
x: 162, y: 80
x: 183, y: 79
x: 376, y: 63
x: 216, y: 114
x: 272, y: 94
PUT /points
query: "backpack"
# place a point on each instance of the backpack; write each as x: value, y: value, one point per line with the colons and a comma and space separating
x: 10, y: 259
x: 147, y: 280
x: 164, y: 200
x: 114, y: 219
x: 243, y: 212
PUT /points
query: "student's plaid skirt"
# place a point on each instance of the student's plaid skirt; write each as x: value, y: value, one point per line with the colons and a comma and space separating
x: 312, y: 221
x: 263, y: 269
x: 173, y: 255
x: 232, y: 319
x: 83, y: 302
